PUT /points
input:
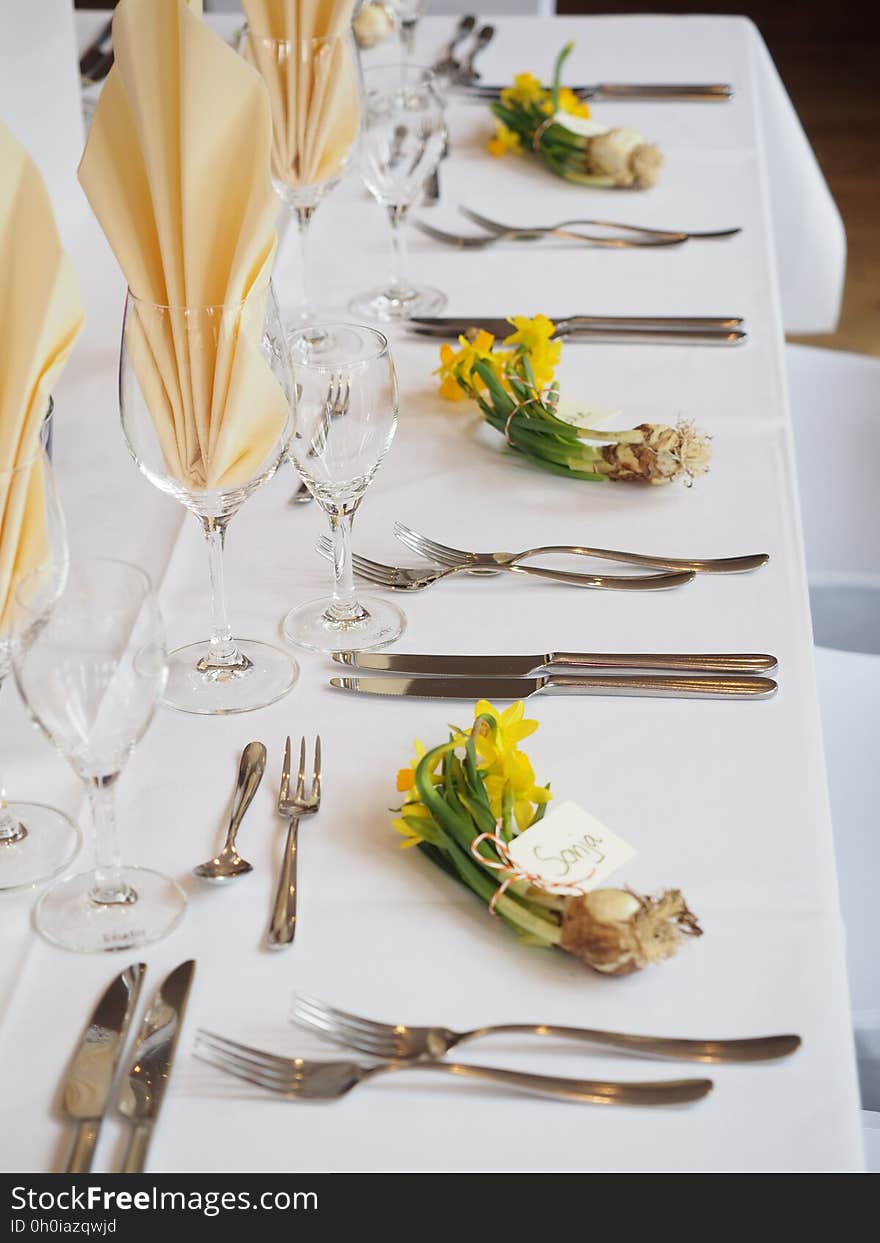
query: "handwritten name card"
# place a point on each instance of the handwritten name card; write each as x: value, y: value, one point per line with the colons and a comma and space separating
x: 570, y: 850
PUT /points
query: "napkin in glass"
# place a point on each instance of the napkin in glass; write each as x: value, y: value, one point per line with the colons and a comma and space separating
x: 313, y: 87
x: 40, y: 318
x: 176, y: 169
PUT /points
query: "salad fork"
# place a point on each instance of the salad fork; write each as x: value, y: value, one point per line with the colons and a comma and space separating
x: 528, y: 232
x: 298, y: 1079
x: 404, y: 578
x: 292, y: 807
x: 420, y: 1043
x: 487, y: 561
x: 469, y: 242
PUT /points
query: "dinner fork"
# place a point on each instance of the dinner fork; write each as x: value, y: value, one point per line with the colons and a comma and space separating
x: 426, y: 1043
x: 486, y: 561
x: 404, y: 578
x: 292, y: 806
x: 298, y: 1079
x: 469, y: 242
x: 527, y: 232
x: 336, y: 406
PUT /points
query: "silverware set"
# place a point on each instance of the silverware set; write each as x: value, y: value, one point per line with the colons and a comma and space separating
x: 614, y: 235
x: 459, y: 68
x: 723, y: 330
x: 88, y: 1085
x: 617, y: 92
x: 395, y: 1047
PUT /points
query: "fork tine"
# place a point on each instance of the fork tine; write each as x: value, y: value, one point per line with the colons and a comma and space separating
x: 315, y: 796
x: 368, y: 1026
x: 301, y: 775
x: 248, y: 1073
x: 374, y: 570
x: 347, y: 1038
x: 443, y: 553
x: 284, y: 791
x: 232, y: 1048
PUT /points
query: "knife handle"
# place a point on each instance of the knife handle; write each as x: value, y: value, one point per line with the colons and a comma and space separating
x: 678, y: 662
x: 282, y: 929
x: 658, y: 687
x: 710, y: 92
x: 136, y: 1153
x: 85, y: 1138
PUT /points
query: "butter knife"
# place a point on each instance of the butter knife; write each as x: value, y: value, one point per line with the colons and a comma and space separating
x: 523, y: 666
x: 90, y: 1074
x: 672, y: 687
x: 143, y: 1089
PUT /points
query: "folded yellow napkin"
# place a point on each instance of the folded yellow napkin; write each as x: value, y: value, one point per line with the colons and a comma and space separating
x: 40, y: 318
x: 176, y: 169
x: 312, y: 82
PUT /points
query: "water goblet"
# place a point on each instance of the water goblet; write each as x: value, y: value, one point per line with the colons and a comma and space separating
x: 206, y: 399
x: 346, y: 419
x: 407, y: 14
x: 36, y: 842
x: 91, y: 669
x: 404, y: 133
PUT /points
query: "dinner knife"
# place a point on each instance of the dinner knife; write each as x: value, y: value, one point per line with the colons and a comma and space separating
x: 658, y: 92
x: 91, y: 1073
x: 524, y: 666
x: 672, y: 687
x: 451, y: 326
x: 143, y: 1089
x: 624, y: 336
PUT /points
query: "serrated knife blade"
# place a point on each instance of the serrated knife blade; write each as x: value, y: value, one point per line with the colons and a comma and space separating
x: 143, y: 1088
x: 90, y: 1074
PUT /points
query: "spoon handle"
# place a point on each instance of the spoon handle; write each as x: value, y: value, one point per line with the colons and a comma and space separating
x: 250, y: 774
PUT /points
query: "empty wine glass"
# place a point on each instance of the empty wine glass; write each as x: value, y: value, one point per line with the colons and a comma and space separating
x: 407, y: 14
x: 314, y: 88
x: 206, y: 398
x: 91, y: 670
x: 347, y: 416
x: 404, y: 134
x: 36, y: 842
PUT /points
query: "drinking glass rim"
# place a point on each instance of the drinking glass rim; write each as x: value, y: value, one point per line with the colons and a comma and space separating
x: 195, y: 308
x: 426, y: 70
x: 140, y: 572
x: 329, y: 325
x: 29, y: 463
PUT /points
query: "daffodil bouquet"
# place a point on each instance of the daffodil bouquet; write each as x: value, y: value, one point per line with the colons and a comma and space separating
x: 513, y: 385
x: 556, y: 125
x: 470, y: 796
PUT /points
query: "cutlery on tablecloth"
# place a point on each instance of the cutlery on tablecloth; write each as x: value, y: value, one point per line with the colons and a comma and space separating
x: 525, y: 232
x: 328, y: 1081
x: 447, y: 62
x: 466, y: 74
x: 672, y: 687
x: 406, y: 578
x: 446, y: 555
x: 228, y: 863
x: 484, y: 240
x: 398, y: 1041
x: 657, y: 92
x: 143, y: 1089
x: 292, y: 807
x: 98, y: 52
x: 89, y: 1078
x: 553, y: 662
x: 683, y: 329
x: 431, y: 195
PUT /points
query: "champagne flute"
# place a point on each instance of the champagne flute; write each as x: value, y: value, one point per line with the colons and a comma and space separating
x: 91, y: 669
x: 36, y: 842
x: 347, y: 416
x: 404, y: 134
x: 211, y: 453
x: 314, y: 88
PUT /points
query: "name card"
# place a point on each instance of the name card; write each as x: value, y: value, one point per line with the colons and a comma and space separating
x: 570, y: 850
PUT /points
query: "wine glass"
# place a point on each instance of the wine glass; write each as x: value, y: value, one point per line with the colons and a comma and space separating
x: 91, y: 670
x: 407, y: 14
x: 206, y: 398
x: 36, y: 842
x: 347, y: 416
x: 402, y: 143
x: 314, y: 88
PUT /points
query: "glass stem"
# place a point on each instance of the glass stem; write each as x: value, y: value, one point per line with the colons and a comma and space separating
x: 303, y: 217
x: 345, y: 607
x: 108, y: 888
x: 397, y: 216
x: 407, y: 29
x: 11, y: 830
x: 223, y: 655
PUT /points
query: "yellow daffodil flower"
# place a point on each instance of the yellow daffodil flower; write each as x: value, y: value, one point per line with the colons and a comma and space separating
x: 504, y: 140
x: 459, y: 364
x: 407, y: 830
x: 518, y: 781
x: 569, y: 102
x: 533, y: 337
x: 526, y: 89
x: 510, y: 728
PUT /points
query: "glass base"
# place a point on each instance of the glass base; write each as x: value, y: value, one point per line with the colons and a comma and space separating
x: 389, y: 305
x: 67, y: 916
x: 50, y: 842
x: 320, y: 340
x: 268, y: 676
x: 311, y: 626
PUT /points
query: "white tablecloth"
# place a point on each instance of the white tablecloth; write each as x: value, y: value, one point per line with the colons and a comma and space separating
x: 726, y: 801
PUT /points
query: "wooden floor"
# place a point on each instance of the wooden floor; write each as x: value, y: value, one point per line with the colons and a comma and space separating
x: 829, y: 58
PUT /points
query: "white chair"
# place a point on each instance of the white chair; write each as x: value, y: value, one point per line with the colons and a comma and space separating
x: 835, y: 402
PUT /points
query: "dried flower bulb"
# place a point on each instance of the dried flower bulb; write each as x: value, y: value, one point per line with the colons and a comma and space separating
x: 624, y: 156
x: 616, y: 931
x: 656, y: 454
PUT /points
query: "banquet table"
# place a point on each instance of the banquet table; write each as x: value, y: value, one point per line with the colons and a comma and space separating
x: 726, y: 801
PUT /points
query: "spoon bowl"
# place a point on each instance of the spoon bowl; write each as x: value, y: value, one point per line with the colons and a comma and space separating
x: 228, y: 864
